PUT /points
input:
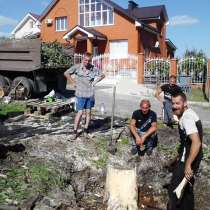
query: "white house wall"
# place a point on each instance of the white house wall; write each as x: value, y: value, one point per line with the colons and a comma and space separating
x: 25, y: 29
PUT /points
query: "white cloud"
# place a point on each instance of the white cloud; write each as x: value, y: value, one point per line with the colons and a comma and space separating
x: 183, y: 20
x: 7, y: 21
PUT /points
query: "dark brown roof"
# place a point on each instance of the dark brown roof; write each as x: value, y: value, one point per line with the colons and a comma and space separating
x: 48, y: 8
x: 95, y: 33
x: 152, y: 12
x: 34, y: 15
x: 91, y: 31
x: 170, y: 44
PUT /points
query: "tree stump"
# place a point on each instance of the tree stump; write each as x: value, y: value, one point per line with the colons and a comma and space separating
x: 121, y: 191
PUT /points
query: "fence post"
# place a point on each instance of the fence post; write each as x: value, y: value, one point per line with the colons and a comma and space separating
x: 208, y: 79
x: 140, y: 69
x: 173, y: 66
x: 89, y: 46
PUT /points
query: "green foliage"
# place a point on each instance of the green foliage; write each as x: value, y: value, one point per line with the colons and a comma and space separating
x: 125, y: 141
x: 196, y: 95
x: 206, y: 130
x: 55, y: 55
x: 101, y: 145
x: 194, y: 64
x: 160, y: 124
x: 21, y: 183
x: 206, y: 153
x: 195, y: 53
x: 13, y: 107
x: 169, y: 151
x: 158, y: 67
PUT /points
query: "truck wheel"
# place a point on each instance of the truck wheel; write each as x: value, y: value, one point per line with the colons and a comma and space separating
x: 5, y: 84
x: 22, y: 88
x: 32, y: 84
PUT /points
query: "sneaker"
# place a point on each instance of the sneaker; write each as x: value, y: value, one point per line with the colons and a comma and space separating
x: 134, y: 150
x: 74, y: 136
x: 149, y: 151
x: 86, y: 133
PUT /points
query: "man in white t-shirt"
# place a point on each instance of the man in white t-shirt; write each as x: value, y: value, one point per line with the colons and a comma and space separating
x: 190, y: 153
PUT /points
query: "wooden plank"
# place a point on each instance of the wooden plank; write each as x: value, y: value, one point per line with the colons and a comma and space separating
x: 16, y: 56
x: 24, y: 55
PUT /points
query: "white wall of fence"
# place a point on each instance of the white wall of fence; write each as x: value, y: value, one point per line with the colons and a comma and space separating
x: 156, y: 70
x: 194, y: 68
x: 114, y: 68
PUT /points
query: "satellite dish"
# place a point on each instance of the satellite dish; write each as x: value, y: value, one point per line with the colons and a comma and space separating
x: 157, y: 44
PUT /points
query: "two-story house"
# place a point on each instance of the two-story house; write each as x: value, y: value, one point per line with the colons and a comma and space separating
x: 102, y: 26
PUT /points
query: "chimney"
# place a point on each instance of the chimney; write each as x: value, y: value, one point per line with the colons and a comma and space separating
x: 132, y: 5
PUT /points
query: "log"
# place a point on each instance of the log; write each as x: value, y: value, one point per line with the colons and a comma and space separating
x: 121, y: 191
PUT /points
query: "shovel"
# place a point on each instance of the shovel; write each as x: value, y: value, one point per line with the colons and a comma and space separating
x: 112, y: 143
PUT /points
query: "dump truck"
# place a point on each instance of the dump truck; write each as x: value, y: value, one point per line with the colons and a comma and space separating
x: 26, y: 68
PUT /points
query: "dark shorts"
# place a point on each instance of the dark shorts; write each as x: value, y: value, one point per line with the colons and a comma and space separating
x: 84, y: 103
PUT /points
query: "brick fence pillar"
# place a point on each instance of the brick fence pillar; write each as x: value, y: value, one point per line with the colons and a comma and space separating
x: 173, y: 67
x: 208, y: 75
x: 89, y: 46
x: 140, y: 70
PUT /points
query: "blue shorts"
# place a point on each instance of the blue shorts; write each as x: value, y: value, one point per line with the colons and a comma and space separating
x: 84, y: 103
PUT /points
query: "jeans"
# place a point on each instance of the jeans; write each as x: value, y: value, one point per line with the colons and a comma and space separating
x: 149, y: 143
x: 187, y: 200
x: 168, y: 113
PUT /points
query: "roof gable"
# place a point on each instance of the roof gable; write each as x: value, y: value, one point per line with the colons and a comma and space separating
x: 152, y: 12
x: 137, y: 21
x: 89, y: 32
x: 23, y: 21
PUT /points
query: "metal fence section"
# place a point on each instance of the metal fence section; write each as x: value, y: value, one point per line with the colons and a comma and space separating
x: 156, y: 70
x: 115, y: 68
x: 193, y: 67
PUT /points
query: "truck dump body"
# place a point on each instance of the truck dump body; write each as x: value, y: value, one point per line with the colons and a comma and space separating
x: 20, y: 55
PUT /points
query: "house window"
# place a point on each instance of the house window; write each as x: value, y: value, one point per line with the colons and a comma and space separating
x: 31, y: 24
x: 61, y: 23
x: 95, y: 13
x: 118, y: 49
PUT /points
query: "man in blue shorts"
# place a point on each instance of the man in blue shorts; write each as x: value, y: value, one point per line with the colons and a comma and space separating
x: 85, y: 78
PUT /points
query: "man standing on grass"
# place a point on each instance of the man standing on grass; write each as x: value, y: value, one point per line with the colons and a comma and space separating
x: 169, y: 90
x: 85, y: 78
x: 190, y: 153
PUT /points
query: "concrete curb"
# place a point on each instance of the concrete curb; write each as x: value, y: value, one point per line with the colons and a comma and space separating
x: 197, y: 103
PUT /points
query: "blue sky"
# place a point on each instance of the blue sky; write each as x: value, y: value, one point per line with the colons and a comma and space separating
x: 189, y: 20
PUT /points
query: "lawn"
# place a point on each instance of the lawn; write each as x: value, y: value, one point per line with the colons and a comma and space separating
x: 196, y: 94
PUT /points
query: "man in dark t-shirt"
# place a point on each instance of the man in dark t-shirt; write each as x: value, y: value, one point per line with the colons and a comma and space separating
x: 143, y: 128
x: 169, y: 90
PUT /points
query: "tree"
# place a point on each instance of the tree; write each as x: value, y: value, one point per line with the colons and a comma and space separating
x: 193, y: 64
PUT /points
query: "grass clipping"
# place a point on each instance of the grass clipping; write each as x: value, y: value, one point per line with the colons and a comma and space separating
x: 20, y: 183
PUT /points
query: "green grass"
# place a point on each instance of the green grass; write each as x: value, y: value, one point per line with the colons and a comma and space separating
x: 206, y: 153
x: 206, y: 130
x: 160, y: 124
x: 168, y: 150
x: 101, y: 146
x: 196, y: 95
x: 21, y: 183
x: 125, y: 141
x: 14, y: 107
